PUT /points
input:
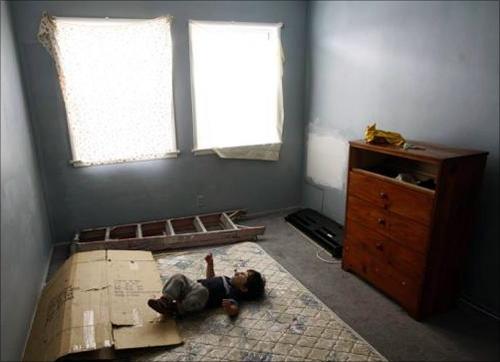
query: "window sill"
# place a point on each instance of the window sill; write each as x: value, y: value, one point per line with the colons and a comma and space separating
x: 204, y: 152
x: 210, y: 151
x: 78, y: 164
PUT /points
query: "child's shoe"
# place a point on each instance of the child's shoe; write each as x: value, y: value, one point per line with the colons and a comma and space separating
x: 163, y: 305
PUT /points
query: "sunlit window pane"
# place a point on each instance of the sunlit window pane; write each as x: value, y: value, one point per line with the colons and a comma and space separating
x: 236, y: 73
x: 116, y: 77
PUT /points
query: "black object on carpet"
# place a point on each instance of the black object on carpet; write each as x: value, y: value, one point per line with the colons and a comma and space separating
x: 319, y: 228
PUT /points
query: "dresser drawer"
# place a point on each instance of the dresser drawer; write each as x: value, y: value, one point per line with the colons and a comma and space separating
x: 401, y: 288
x: 403, y: 259
x: 404, y: 199
x: 398, y: 228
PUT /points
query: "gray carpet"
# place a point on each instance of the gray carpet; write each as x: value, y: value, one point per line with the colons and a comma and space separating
x: 461, y: 334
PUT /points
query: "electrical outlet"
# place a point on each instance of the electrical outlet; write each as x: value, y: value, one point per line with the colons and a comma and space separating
x: 200, y: 200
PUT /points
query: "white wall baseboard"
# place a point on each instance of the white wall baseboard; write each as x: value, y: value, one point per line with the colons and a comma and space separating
x: 465, y: 300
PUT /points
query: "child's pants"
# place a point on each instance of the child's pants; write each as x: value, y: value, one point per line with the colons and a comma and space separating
x: 190, y: 296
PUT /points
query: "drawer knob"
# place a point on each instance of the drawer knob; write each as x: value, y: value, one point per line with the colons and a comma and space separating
x: 403, y: 283
x: 383, y: 195
x: 379, y: 246
x: 381, y: 221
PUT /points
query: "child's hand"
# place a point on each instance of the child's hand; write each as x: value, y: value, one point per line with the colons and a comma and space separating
x: 227, y: 303
x: 209, y: 258
x: 230, y: 307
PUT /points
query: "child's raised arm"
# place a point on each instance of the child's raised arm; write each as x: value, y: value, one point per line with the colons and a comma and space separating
x: 210, y: 266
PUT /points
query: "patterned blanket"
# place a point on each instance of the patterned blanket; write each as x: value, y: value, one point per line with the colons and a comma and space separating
x: 290, y: 324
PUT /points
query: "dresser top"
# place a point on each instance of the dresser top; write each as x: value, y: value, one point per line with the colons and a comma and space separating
x: 426, y: 151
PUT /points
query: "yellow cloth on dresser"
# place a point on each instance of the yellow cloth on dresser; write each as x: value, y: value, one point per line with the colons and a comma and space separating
x: 374, y: 135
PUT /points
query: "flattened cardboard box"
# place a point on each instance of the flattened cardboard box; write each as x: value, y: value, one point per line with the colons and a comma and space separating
x: 98, y: 299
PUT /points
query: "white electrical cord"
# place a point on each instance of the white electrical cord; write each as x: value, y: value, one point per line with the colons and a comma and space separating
x: 319, y: 248
x: 332, y: 261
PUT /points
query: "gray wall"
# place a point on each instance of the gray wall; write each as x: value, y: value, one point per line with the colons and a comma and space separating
x: 104, y: 195
x: 25, y: 242
x: 426, y: 69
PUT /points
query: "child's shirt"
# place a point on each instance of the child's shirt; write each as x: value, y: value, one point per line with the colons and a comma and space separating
x: 219, y: 288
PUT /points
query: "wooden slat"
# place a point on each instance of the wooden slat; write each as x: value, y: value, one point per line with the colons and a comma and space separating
x: 234, y: 214
x: 239, y: 226
x: 170, y: 228
x: 227, y: 222
x: 199, y: 225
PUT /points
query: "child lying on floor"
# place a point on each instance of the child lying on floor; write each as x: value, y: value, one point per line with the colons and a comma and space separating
x: 182, y: 295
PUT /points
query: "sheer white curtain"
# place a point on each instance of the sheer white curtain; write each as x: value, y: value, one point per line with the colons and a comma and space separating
x: 236, y: 79
x: 116, y: 80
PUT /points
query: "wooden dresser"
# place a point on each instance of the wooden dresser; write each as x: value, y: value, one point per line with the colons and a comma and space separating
x: 408, y: 238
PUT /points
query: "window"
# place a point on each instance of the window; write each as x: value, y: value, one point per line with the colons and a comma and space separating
x: 116, y: 80
x: 236, y: 71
